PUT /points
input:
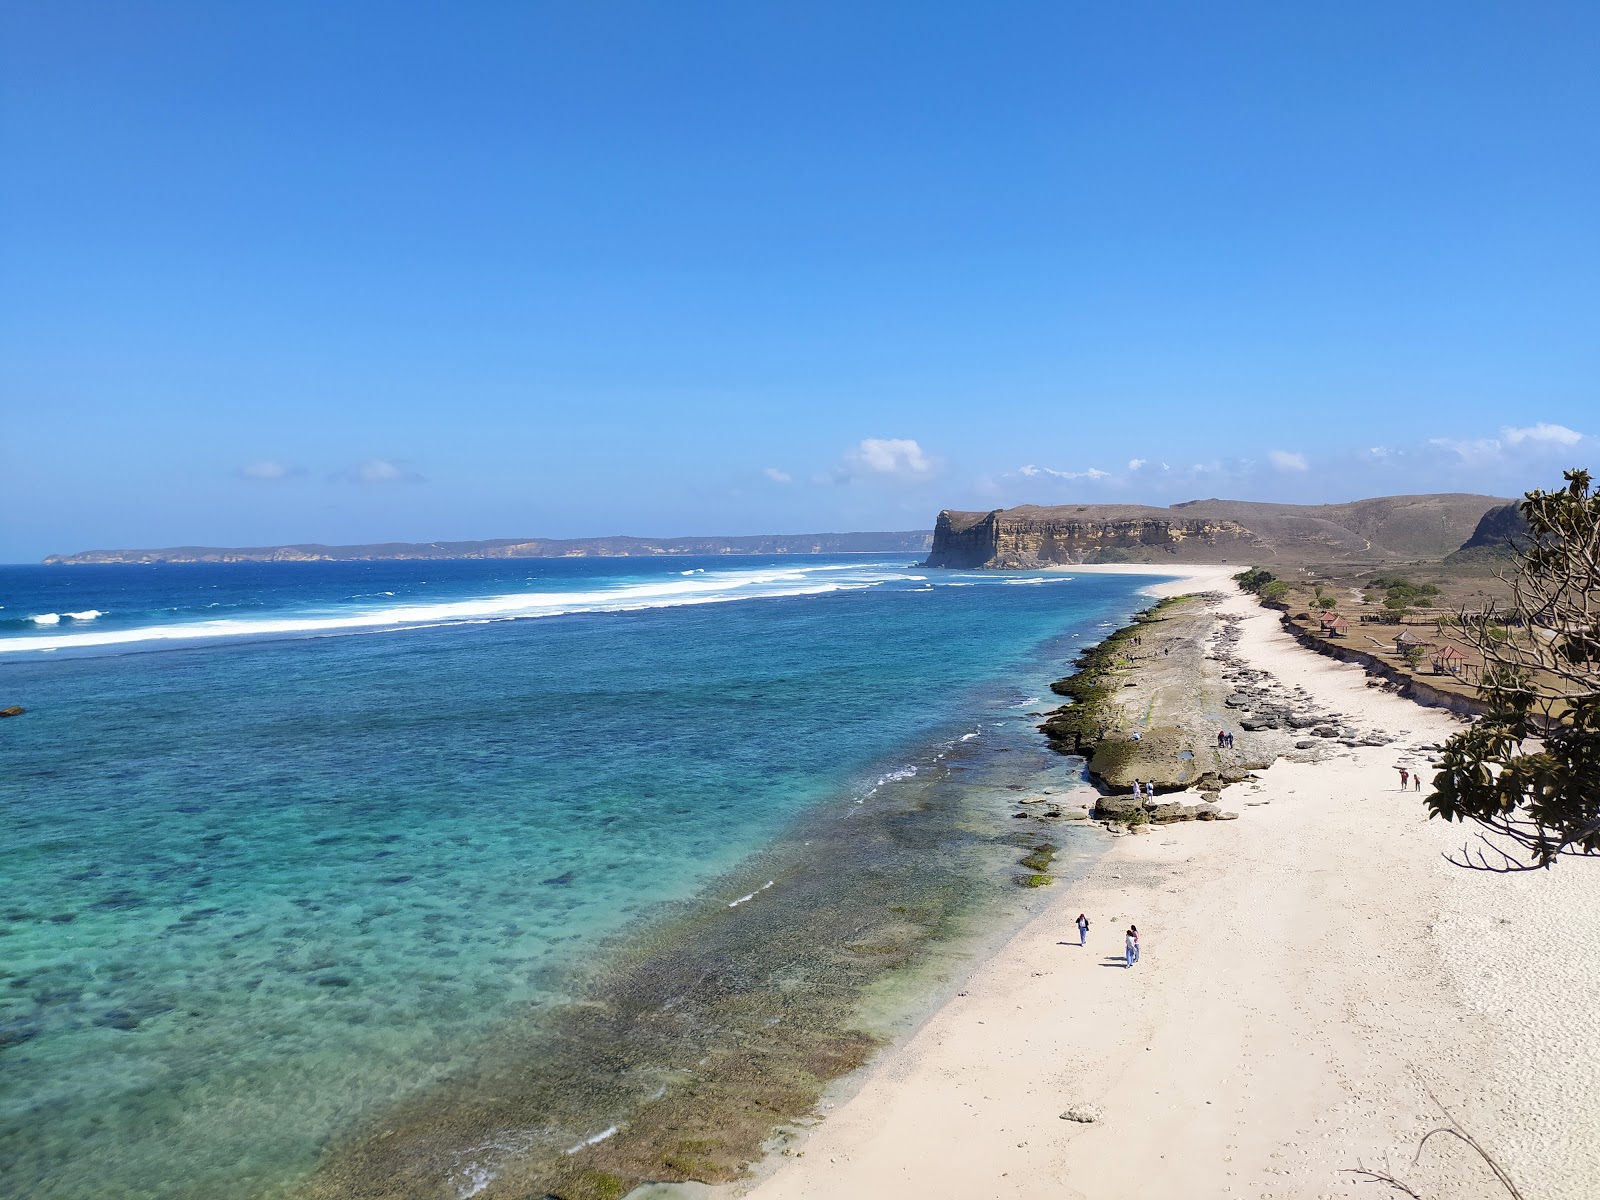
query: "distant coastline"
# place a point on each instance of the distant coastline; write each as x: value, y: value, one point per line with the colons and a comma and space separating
x: 916, y: 541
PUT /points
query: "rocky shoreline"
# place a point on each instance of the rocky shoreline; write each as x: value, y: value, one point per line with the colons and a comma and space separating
x: 1147, y: 704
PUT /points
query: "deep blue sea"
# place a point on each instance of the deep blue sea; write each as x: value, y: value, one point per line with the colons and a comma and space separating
x: 281, y: 843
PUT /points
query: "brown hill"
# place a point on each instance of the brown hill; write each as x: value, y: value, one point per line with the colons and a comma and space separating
x: 1384, y: 529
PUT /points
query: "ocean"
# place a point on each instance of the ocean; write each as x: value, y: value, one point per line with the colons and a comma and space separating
x: 319, y: 873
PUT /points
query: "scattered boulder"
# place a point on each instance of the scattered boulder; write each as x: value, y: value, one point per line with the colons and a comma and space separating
x: 16, y: 710
x: 1084, y: 1114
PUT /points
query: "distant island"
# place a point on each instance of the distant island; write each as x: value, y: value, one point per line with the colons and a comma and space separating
x: 916, y: 541
x: 1384, y: 529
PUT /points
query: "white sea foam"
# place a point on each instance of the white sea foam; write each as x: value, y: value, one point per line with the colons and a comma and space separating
x: 599, y: 1137
x: 87, y: 614
x: 967, y: 737
x: 709, y: 588
x: 747, y: 899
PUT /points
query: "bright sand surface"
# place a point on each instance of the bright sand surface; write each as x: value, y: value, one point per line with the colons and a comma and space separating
x: 1310, y: 971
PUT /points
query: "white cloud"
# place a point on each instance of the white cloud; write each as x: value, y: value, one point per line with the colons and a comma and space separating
x: 1478, y: 452
x: 1552, y: 435
x: 899, y: 460
x: 270, y: 470
x: 1475, y: 452
x: 378, y: 471
x: 1287, y: 460
x: 778, y: 476
x: 1135, y: 463
x: 1091, y: 473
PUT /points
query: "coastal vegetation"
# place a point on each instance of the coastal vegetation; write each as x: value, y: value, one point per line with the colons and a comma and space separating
x: 1528, y: 772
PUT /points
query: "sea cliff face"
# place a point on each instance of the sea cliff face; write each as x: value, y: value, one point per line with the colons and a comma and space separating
x: 1020, y: 540
x: 1381, y: 529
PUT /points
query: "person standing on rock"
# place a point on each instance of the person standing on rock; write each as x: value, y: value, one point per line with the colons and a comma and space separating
x: 1083, y: 930
x: 1405, y: 776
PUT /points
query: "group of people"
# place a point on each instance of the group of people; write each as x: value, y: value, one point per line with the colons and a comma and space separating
x: 1224, y: 740
x: 1408, y: 777
x: 1130, y: 940
x: 1143, y: 791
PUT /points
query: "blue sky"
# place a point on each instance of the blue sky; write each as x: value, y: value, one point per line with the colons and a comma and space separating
x: 358, y: 272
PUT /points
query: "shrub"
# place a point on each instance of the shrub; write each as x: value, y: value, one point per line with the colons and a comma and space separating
x: 1254, y: 579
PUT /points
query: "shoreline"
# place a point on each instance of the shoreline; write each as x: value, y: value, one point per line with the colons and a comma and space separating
x: 720, y: 1027
x: 1312, y: 971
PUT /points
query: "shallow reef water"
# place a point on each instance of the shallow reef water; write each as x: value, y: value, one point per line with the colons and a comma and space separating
x: 415, y: 909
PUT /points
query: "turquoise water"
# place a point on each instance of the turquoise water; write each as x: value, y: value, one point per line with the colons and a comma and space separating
x: 270, y: 871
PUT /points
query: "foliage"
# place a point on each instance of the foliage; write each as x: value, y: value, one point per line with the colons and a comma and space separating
x: 1400, y: 593
x: 1254, y: 579
x: 1529, y: 769
x: 1413, y: 656
x: 1325, y: 603
x: 1277, y: 589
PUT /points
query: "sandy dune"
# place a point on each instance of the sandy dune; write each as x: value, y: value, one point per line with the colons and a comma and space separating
x: 1310, y: 970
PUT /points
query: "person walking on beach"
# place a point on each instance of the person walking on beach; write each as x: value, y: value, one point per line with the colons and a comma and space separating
x: 1129, y: 948
x: 1405, y: 775
x: 1134, y: 930
x: 1417, y: 781
x: 1083, y: 930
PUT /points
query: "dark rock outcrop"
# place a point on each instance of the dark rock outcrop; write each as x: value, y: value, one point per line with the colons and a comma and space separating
x: 1500, y: 532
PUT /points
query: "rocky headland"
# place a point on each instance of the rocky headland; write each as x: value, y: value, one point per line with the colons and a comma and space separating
x: 1148, y: 702
x: 1383, y: 529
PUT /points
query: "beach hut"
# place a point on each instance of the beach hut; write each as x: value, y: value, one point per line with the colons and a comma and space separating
x: 1409, y: 646
x: 1447, y: 660
x: 1333, y: 624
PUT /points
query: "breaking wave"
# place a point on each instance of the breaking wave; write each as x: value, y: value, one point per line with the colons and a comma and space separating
x: 710, y: 588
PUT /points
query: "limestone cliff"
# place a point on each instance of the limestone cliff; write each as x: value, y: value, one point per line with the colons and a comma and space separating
x: 1384, y: 529
x: 1022, y: 538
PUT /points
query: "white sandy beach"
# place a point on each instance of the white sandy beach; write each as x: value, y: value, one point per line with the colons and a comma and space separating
x: 1309, y: 971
